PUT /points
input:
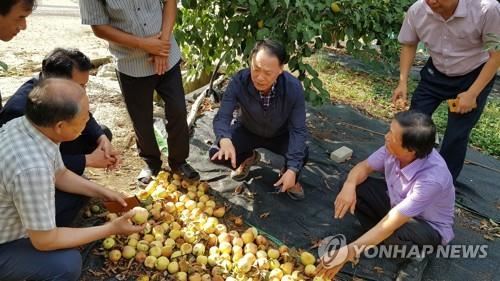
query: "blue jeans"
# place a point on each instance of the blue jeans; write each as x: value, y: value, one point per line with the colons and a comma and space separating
x: 436, y: 87
x: 19, y: 260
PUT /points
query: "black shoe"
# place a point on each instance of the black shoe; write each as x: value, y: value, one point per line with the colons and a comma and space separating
x: 413, y: 269
x: 186, y: 171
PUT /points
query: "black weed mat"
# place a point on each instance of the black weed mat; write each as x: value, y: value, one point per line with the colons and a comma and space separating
x: 300, y: 224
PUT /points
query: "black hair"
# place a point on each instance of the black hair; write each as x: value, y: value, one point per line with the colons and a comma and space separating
x: 59, y: 63
x: 419, y: 132
x: 6, y: 5
x: 272, y: 47
x: 49, y: 103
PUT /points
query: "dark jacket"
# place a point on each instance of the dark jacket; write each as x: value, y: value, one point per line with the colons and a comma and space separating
x: 285, y: 115
x: 74, y: 161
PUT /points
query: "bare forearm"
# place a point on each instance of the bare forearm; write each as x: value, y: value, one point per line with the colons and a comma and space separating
x: 382, y: 230
x: 169, y: 15
x: 117, y: 36
x: 64, y: 237
x: 487, y: 73
x: 359, y: 173
x: 406, y: 61
x: 70, y: 182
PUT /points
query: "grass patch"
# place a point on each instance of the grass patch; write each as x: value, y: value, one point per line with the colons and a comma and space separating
x: 371, y: 94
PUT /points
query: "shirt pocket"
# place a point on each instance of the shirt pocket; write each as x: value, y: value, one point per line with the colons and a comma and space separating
x: 465, y: 36
x: 120, y: 13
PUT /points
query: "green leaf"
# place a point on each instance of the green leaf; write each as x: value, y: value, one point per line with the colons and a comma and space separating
x: 311, y: 71
x: 263, y: 33
x: 4, y: 65
x: 317, y: 83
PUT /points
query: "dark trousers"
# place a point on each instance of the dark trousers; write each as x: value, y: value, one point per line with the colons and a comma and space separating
x: 19, y: 260
x: 138, y: 95
x: 372, y: 204
x: 68, y: 205
x: 434, y: 88
x: 245, y: 142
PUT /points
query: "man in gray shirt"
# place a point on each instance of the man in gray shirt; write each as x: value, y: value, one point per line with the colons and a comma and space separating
x: 148, y: 58
x: 454, y: 33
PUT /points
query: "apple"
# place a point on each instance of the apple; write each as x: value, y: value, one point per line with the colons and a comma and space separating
x: 108, y: 243
x: 115, y: 255
x: 140, y: 215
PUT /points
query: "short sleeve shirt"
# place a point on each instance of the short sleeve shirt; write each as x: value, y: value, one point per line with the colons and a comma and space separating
x: 141, y: 18
x: 423, y: 189
x: 456, y: 45
x: 30, y: 162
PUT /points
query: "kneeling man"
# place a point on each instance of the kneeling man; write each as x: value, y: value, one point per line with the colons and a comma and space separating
x: 271, y: 115
x: 414, y: 205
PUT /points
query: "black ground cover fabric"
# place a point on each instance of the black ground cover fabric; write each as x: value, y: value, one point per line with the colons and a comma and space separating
x: 299, y: 223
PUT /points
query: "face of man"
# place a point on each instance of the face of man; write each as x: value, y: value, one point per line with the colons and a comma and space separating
x: 394, y: 142
x: 264, y: 70
x: 15, y: 21
x: 71, y: 129
x: 443, y: 7
x: 80, y: 77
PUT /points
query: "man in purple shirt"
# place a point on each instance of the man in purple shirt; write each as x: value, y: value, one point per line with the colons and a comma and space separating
x: 414, y: 205
x: 454, y: 33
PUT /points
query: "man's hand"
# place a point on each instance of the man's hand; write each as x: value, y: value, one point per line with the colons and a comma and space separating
x: 400, y: 95
x: 160, y: 64
x: 105, y: 145
x: 287, y: 180
x: 111, y: 195
x: 155, y: 46
x: 345, y: 201
x: 98, y: 159
x: 113, y: 159
x: 226, y: 152
x: 331, y: 263
x: 123, y: 226
x: 466, y: 102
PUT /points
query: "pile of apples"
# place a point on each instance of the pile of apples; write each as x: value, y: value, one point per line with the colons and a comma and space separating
x: 184, y: 238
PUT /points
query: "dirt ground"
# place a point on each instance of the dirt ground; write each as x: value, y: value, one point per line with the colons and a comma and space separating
x: 56, y: 23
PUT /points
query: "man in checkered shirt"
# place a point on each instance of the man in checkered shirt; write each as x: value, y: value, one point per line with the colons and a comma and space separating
x: 32, y: 247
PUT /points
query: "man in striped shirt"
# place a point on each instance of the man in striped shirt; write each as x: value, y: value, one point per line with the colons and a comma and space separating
x: 148, y: 58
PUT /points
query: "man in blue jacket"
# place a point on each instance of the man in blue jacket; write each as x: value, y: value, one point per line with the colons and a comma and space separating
x: 91, y: 149
x: 271, y: 115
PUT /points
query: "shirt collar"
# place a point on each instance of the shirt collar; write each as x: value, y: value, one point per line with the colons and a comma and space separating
x: 271, y: 94
x: 411, y: 169
x: 47, y: 144
x: 460, y: 11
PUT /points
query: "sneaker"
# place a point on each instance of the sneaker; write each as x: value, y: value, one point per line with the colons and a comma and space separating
x: 146, y: 175
x: 186, y: 171
x: 413, y: 269
x: 243, y: 170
